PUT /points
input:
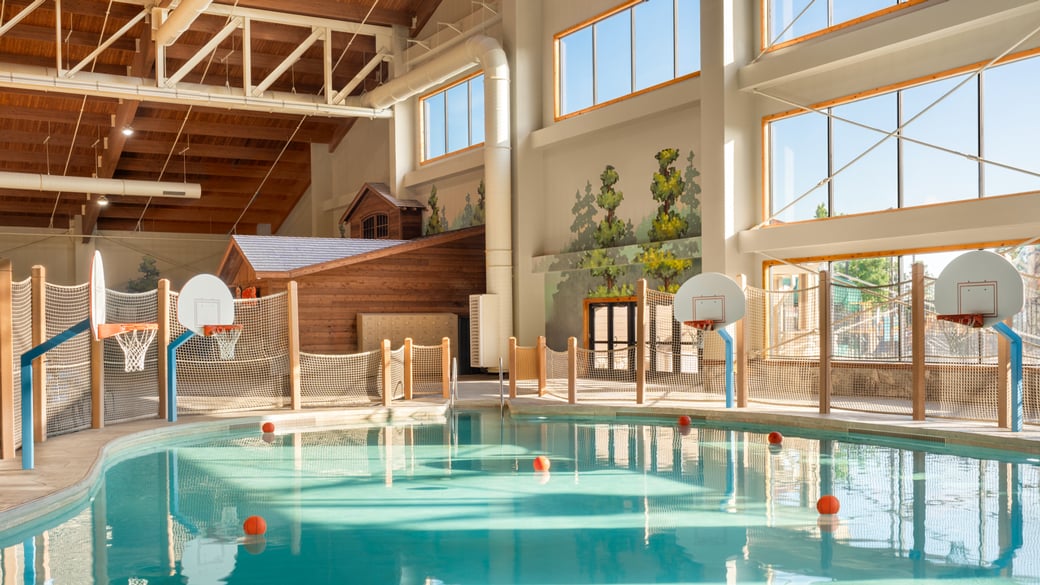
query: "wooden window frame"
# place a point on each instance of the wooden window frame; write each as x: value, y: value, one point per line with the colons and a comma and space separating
x: 764, y: 23
x: 376, y: 226
x: 424, y: 139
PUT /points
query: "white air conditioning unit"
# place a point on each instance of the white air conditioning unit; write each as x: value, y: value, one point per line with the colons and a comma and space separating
x: 483, y: 331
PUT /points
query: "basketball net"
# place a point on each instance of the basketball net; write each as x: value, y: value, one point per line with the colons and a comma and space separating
x: 702, y: 325
x: 135, y: 344
x: 226, y: 336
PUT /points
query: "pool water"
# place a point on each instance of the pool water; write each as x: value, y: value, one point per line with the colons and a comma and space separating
x: 636, y: 501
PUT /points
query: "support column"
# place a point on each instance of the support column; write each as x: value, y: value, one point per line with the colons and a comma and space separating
x: 39, y: 335
x: 408, y: 368
x: 387, y: 369
x: 918, y: 392
x: 293, y: 318
x: 727, y: 154
x: 7, y: 450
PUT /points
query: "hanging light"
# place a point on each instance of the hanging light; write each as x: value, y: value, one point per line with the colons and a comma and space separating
x: 102, y: 201
x: 128, y: 131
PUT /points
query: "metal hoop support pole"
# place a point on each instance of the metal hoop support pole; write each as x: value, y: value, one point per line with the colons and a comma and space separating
x: 1015, y: 342
x: 28, y: 455
x: 171, y: 374
x: 728, y: 339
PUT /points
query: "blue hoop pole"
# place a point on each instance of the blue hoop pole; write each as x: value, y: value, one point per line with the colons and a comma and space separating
x: 729, y: 366
x: 28, y: 424
x: 171, y: 374
x: 1016, y: 373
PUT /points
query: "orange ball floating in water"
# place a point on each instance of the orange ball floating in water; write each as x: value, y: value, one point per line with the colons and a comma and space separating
x: 254, y: 525
x: 542, y: 463
x: 828, y: 505
x: 267, y: 427
x: 775, y: 438
x: 684, y: 421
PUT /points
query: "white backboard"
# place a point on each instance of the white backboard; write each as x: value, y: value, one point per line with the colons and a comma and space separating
x: 709, y: 296
x: 979, y: 283
x: 205, y: 300
x: 97, y: 293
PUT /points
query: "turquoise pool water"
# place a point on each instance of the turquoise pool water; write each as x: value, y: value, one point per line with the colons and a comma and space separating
x: 639, y: 501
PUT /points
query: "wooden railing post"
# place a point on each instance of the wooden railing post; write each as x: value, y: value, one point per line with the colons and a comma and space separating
x: 513, y: 371
x: 162, y: 341
x: 446, y: 367
x: 825, y: 342
x: 572, y: 370
x: 407, y: 368
x: 740, y: 351
x: 541, y: 365
x: 293, y: 325
x: 641, y: 341
x: 39, y: 335
x: 7, y: 450
x: 918, y: 390
x: 388, y: 383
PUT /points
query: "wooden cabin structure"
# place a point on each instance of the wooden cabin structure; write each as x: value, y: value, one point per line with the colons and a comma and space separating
x: 340, y: 278
x: 376, y: 214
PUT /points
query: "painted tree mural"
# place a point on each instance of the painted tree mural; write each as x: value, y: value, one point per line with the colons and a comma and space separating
x: 666, y: 187
x: 478, y: 213
x: 436, y: 223
x: 610, y: 232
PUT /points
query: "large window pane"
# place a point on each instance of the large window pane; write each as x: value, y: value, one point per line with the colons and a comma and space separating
x: 782, y: 23
x: 798, y: 162
x: 458, y: 117
x: 846, y: 10
x: 688, y: 42
x: 576, y: 71
x: 476, y: 109
x: 613, y: 57
x: 655, y: 43
x: 931, y: 175
x: 433, y: 115
x: 1011, y: 127
x: 870, y: 183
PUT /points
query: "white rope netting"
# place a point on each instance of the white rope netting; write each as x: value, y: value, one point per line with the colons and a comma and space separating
x: 21, y: 331
x: 783, y: 346
x: 683, y: 363
x: 131, y: 373
x: 396, y: 373
x: 258, y: 375
x: 427, y: 374
x: 1027, y: 324
x: 226, y: 340
x: 327, y: 380
x: 612, y: 372
x: 556, y: 368
x: 68, y: 365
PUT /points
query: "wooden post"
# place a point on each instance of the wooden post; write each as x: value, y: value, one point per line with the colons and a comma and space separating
x: 446, y: 367
x: 39, y: 335
x: 740, y: 352
x: 293, y: 324
x: 97, y: 382
x: 825, y: 342
x: 541, y: 365
x: 162, y: 341
x: 572, y: 370
x: 918, y: 390
x: 7, y: 389
x: 513, y: 371
x: 1004, y: 380
x: 641, y: 341
x: 407, y: 368
x: 388, y: 383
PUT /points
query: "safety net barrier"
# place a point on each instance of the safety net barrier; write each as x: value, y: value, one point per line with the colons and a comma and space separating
x: 130, y: 395
x: 67, y: 366
x: 357, y: 379
x: 21, y: 331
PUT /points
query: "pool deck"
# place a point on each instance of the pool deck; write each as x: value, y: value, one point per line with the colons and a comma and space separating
x: 67, y: 466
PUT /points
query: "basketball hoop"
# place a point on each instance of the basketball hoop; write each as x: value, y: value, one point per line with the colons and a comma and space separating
x: 133, y: 338
x: 701, y: 324
x: 969, y: 319
x: 226, y: 336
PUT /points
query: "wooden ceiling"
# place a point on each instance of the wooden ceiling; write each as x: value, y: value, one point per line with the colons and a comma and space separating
x: 253, y: 166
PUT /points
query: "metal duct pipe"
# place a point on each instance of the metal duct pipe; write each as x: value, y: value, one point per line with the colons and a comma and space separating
x: 498, y: 177
x: 33, y: 182
x: 179, y: 20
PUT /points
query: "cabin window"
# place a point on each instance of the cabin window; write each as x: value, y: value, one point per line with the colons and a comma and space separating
x: 376, y: 227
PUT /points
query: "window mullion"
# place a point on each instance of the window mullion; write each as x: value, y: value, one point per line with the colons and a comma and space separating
x: 595, y: 36
x: 675, y: 39
x: 632, y: 50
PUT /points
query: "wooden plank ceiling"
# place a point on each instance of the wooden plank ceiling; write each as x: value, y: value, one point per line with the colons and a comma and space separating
x: 253, y: 166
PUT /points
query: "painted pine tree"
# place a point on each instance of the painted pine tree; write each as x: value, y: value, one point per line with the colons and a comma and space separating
x: 666, y: 187
x: 434, y: 225
x: 610, y: 232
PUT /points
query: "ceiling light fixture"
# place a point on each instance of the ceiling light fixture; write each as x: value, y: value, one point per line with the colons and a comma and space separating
x: 128, y: 131
x: 102, y: 201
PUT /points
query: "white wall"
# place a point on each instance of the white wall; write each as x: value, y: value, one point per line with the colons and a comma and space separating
x: 361, y: 157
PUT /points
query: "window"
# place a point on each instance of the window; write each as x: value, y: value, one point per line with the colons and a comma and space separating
x: 965, y: 136
x: 633, y: 48
x: 453, y: 118
x: 792, y: 21
x: 376, y: 227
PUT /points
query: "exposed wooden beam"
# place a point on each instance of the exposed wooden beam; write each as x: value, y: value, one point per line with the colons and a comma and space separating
x: 117, y: 10
x: 331, y: 9
x: 308, y: 133
x: 28, y: 32
x: 199, y: 226
x: 228, y: 152
x: 130, y: 167
x: 55, y: 116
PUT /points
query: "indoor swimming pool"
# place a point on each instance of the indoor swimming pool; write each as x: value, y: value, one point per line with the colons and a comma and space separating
x: 459, y: 501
